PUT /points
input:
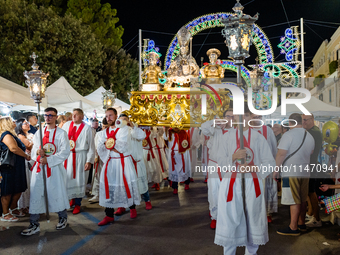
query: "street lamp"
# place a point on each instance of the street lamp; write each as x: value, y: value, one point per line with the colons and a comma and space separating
x: 108, y: 98
x: 36, y: 80
x: 256, y: 80
x: 237, y: 31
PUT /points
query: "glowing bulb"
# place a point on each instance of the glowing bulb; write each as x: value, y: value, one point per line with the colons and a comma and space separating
x: 109, y: 102
x: 233, y: 42
x: 245, y: 43
x: 35, y: 88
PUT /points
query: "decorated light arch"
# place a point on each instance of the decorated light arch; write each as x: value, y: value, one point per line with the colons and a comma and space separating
x: 287, y: 73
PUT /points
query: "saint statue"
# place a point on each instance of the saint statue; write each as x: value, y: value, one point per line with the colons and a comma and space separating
x: 214, y: 72
x: 151, y: 73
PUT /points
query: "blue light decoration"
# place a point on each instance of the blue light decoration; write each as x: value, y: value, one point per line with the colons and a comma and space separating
x: 290, y: 44
x: 150, y: 47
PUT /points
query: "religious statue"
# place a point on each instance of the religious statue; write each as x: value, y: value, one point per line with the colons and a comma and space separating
x: 183, y: 67
x: 213, y: 73
x: 151, y: 73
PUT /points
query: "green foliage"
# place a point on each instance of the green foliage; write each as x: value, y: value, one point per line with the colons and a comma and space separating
x: 59, y: 6
x: 318, y: 79
x: 333, y: 66
x: 100, y: 17
x: 65, y: 47
x: 120, y: 70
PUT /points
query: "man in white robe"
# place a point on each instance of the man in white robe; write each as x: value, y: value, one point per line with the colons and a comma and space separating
x: 151, y: 161
x: 159, y: 152
x: 98, y: 165
x: 50, y: 161
x: 194, y: 144
x: 178, y: 157
x: 205, y: 153
x: 238, y: 226
x: 215, y: 132
x: 82, y: 156
x: 118, y: 179
x: 269, y: 183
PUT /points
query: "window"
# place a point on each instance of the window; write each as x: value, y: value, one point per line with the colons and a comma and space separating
x: 321, y: 97
x: 330, y: 95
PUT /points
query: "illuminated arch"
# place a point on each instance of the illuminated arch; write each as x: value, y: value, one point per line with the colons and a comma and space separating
x: 259, y: 38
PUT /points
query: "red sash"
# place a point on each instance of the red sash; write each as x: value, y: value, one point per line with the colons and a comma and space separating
x: 147, y: 138
x: 46, y: 139
x: 173, y: 161
x: 159, y: 154
x: 135, y: 164
x: 233, y: 175
x: 218, y: 170
x: 73, y: 134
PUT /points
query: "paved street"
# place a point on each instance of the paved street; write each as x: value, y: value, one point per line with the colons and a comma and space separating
x: 175, y: 225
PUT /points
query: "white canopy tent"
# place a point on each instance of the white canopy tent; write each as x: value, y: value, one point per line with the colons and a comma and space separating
x: 96, y: 96
x: 319, y: 109
x: 64, y: 97
x: 17, y: 96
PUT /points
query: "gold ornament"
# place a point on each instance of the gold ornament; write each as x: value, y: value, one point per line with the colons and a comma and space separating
x: 145, y: 143
x: 110, y: 143
x: 185, y: 144
x: 72, y: 144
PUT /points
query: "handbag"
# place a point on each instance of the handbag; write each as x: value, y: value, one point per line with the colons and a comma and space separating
x: 332, y: 203
x: 7, y: 160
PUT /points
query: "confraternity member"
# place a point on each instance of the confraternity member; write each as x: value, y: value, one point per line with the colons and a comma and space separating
x: 82, y: 156
x: 118, y: 179
x: 194, y: 144
x: 160, y: 154
x: 49, y: 160
x: 215, y: 130
x: 270, y: 185
x: 236, y: 225
x: 151, y: 162
x: 137, y: 135
x: 97, y: 167
x: 178, y: 157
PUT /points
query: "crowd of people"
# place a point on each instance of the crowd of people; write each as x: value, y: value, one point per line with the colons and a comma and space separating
x: 119, y: 159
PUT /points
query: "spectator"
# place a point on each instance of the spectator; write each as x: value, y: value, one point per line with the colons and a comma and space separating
x: 95, y: 125
x: 32, y: 119
x: 284, y: 129
x: 13, y: 181
x: 21, y: 129
x: 277, y: 132
x: 61, y: 120
x: 313, y: 205
x: 68, y: 116
x: 296, y: 146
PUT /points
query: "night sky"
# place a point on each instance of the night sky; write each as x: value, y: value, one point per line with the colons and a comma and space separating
x: 170, y: 16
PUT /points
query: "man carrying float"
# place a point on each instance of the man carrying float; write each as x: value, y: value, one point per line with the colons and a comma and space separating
x: 118, y: 179
x: 82, y: 156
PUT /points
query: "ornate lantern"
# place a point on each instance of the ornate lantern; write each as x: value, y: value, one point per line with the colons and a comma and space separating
x: 36, y: 80
x: 109, y: 98
x: 237, y: 32
x: 256, y: 78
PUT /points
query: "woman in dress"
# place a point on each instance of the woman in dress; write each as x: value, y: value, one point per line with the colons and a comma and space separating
x: 13, y: 180
x: 21, y: 129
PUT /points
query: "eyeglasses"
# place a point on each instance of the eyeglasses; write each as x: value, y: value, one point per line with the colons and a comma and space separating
x: 49, y: 116
x: 25, y: 123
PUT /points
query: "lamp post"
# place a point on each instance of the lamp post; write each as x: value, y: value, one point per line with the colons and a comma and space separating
x: 36, y: 80
x: 256, y: 77
x: 108, y: 98
x: 237, y: 31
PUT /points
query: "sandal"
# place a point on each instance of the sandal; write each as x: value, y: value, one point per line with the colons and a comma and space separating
x: 20, y: 214
x: 9, y: 219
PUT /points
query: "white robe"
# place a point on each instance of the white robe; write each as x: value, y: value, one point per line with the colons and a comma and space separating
x: 195, y: 142
x: 98, y: 167
x: 55, y: 184
x: 153, y: 167
x: 136, y: 148
x: 232, y: 228
x: 178, y: 175
x: 85, y: 153
x: 215, y: 134
x: 269, y: 183
x: 117, y: 191
x: 205, y: 152
x: 160, y: 153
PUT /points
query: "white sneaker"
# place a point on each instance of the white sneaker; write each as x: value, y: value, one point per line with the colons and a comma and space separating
x: 31, y: 230
x: 313, y: 223
x: 95, y: 199
x: 308, y: 218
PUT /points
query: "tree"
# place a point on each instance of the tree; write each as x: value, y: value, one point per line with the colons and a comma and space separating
x: 120, y: 70
x: 59, y: 6
x: 65, y: 47
x: 100, y: 17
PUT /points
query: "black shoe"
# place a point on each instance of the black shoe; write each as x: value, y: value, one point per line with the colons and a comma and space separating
x: 302, y: 228
x: 31, y: 230
x: 288, y: 232
x: 62, y: 223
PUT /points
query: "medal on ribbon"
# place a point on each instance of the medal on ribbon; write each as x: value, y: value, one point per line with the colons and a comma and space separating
x: 110, y: 143
x: 145, y: 143
x: 49, y: 149
x: 185, y: 143
x: 72, y: 144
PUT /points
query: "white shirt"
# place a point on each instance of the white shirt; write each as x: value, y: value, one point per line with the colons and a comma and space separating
x: 290, y: 142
